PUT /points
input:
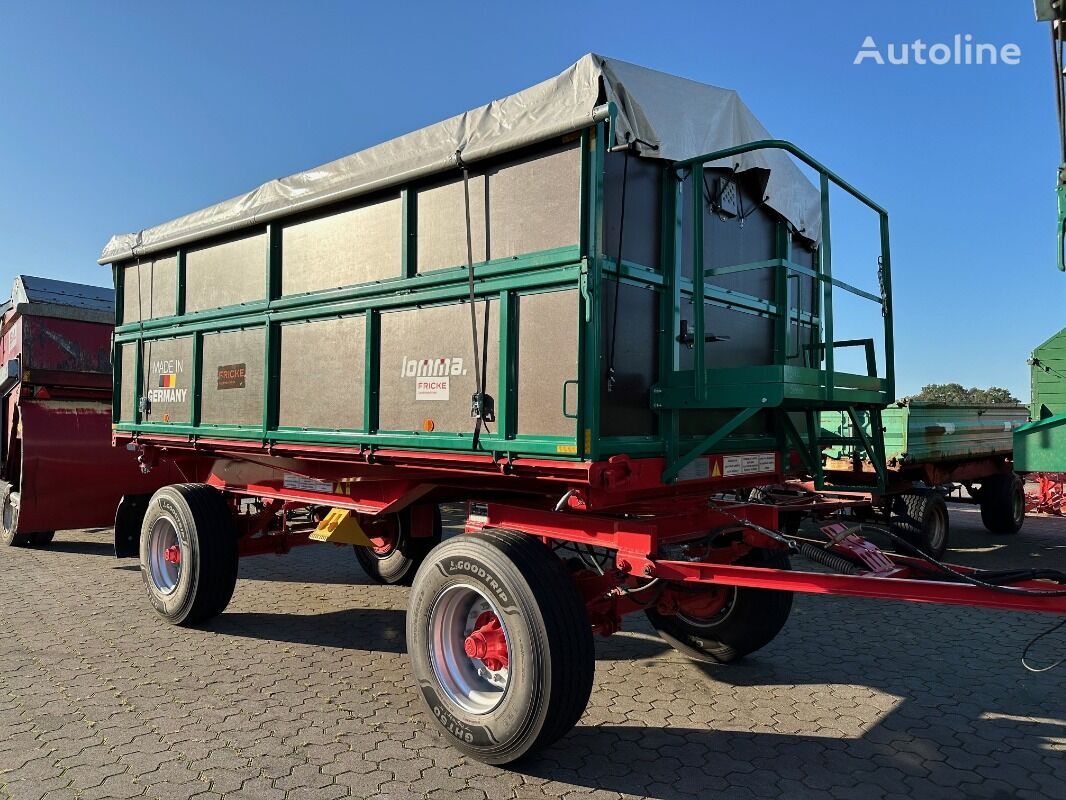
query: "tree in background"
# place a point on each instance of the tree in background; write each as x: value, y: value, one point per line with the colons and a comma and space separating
x: 955, y: 393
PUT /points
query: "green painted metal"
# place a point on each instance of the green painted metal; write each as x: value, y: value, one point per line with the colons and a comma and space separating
x: 1040, y: 446
x: 781, y: 385
x: 507, y: 403
x: 409, y: 249
x: 371, y: 371
x: 922, y: 432
x: 196, y: 384
x: 116, y: 350
x: 179, y: 300
x: 1047, y: 374
x: 675, y: 466
x: 788, y: 391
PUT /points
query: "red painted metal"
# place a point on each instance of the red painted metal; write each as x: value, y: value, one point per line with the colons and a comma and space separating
x: 55, y: 444
x: 259, y: 469
x: 487, y: 642
x: 1049, y: 496
x: 172, y: 555
x: 675, y: 547
x: 915, y: 587
x: 69, y: 475
x: 383, y: 533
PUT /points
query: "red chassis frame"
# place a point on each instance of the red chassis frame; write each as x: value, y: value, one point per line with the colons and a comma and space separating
x: 655, y: 530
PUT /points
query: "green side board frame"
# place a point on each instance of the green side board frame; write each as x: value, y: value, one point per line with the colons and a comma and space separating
x: 789, y: 393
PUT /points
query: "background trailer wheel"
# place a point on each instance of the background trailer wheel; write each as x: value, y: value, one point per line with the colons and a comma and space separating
x: 400, y: 544
x: 188, y: 553
x: 720, y: 625
x: 922, y: 519
x: 9, y: 520
x: 500, y: 643
x: 1002, y: 499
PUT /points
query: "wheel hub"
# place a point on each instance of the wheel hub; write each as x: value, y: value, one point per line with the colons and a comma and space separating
x: 164, y: 555
x: 383, y: 535
x: 487, y: 642
x: 470, y: 649
x: 702, y: 605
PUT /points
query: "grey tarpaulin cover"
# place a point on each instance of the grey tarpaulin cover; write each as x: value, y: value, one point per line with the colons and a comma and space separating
x: 684, y: 118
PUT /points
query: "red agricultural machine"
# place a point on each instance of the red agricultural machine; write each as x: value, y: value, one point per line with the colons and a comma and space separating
x: 57, y: 466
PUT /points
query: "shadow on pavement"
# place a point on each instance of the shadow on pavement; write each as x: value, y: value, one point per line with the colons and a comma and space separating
x: 82, y: 547
x: 680, y: 763
x: 369, y: 629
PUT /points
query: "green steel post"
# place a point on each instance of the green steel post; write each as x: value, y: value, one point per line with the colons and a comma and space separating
x: 118, y: 278
x: 197, y: 388
x: 783, y: 320
x: 179, y: 300
x: 138, y: 379
x: 409, y: 248
x: 116, y: 349
x: 585, y: 223
x: 886, y: 310
x: 271, y: 384
x: 506, y: 419
x: 699, y: 337
x: 273, y: 263
x: 825, y: 267
x: 670, y: 307
x: 371, y: 366
x: 589, y: 392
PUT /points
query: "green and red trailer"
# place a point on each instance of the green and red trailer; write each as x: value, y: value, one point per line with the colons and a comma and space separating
x: 596, y: 313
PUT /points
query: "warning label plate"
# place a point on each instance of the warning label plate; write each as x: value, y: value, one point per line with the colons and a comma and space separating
x: 306, y: 484
x: 749, y: 464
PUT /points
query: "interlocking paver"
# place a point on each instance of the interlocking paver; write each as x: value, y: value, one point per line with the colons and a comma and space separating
x: 300, y: 691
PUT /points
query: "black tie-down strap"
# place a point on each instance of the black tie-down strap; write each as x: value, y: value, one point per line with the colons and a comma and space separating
x: 482, y: 406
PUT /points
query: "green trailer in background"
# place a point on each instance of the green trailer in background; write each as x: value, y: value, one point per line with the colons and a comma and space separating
x: 932, y: 449
x: 1040, y: 446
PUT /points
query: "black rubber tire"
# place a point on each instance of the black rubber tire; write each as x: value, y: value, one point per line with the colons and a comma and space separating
x: 208, y: 542
x: 398, y: 568
x: 8, y: 536
x: 921, y: 518
x: 549, y: 635
x: 753, y: 619
x: 1002, y: 499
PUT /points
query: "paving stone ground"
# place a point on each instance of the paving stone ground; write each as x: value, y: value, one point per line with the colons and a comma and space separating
x: 300, y: 690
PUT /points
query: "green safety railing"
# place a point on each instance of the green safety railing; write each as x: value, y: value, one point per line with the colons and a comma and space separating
x: 844, y: 391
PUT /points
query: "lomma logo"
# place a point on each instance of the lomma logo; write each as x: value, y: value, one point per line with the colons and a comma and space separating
x: 961, y: 50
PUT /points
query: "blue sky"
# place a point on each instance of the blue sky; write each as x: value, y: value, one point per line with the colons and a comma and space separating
x: 117, y: 116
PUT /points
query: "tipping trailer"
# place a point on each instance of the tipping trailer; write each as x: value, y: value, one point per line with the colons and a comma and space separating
x: 1040, y: 446
x: 58, y: 469
x: 931, y: 450
x: 595, y: 312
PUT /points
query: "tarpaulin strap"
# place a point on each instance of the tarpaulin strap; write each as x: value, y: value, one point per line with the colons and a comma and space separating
x: 481, y: 404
